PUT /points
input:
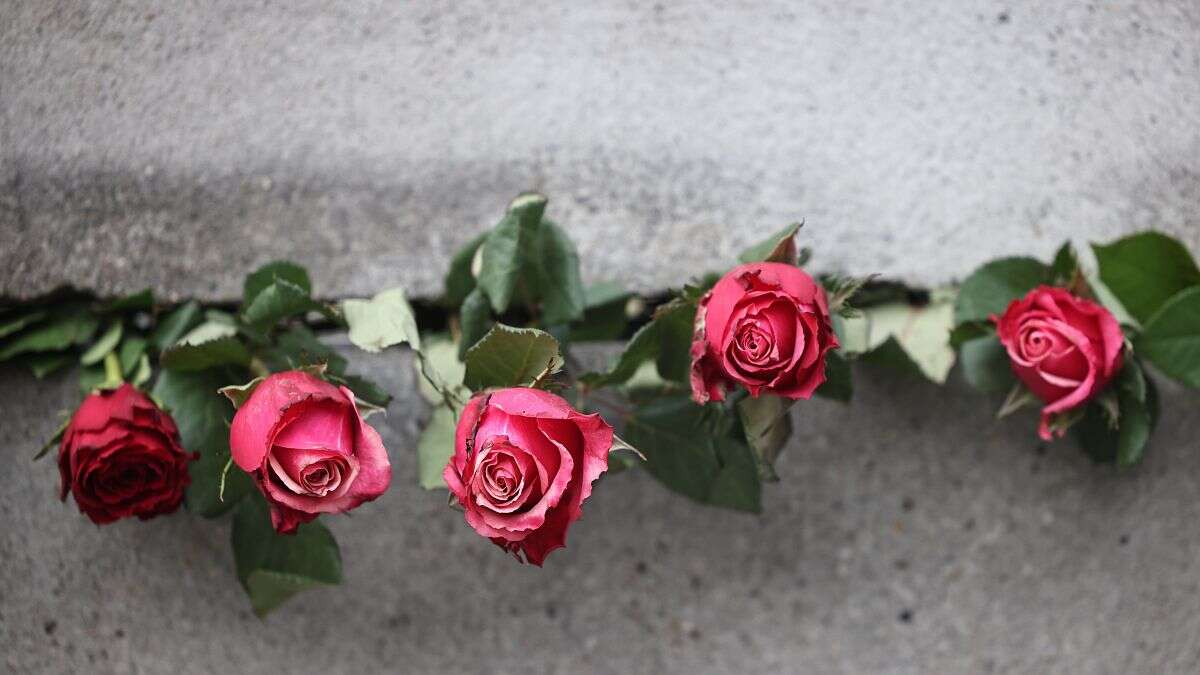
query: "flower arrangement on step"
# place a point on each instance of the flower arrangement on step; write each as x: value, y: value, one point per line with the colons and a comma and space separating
x: 248, y: 411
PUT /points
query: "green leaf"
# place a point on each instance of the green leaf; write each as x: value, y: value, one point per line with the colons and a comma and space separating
x: 238, y: 394
x: 274, y: 567
x: 1137, y: 402
x: 685, y: 456
x: 45, y: 363
x: 554, y: 264
x: 71, y: 326
x: 366, y: 391
x: 176, y: 324
x: 921, y: 331
x: 992, y: 287
x: 1145, y: 270
x: 643, y: 346
x: 1171, y: 338
x: 203, y: 416
x: 279, y: 300
x: 385, y: 320
x: 54, y: 440
x: 91, y: 378
x: 459, y: 281
x: 207, y: 345
x: 505, y: 247
x: 768, y: 426
x: 779, y: 247
x: 985, y: 364
x: 435, y: 447
x: 441, y: 356
x: 142, y: 301
x: 100, y: 348
x: 475, y: 318
x: 130, y: 353
x: 297, y: 347
x: 838, y: 384
x: 1065, y: 265
x: 511, y: 357
x: 891, y: 355
x: 260, y: 279
x: 12, y: 324
x: 667, y: 339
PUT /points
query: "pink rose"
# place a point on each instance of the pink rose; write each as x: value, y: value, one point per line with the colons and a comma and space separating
x: 308, y: 449
x: 1063, y: 348
x: 524, y: 462
x: 764, y: 326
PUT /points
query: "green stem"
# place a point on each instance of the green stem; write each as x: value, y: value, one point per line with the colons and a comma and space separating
x: 112, y: 369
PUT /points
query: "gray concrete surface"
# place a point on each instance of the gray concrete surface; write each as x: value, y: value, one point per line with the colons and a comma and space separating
x: 912, y: 533
x: 177, y: 146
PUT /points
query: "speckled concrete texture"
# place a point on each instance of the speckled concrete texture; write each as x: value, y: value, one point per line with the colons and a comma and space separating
x: 911, y: 533
x: 177, y: 146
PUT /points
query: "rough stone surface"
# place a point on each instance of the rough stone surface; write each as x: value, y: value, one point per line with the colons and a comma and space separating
x: 923, y: 537
x: 177, y: 146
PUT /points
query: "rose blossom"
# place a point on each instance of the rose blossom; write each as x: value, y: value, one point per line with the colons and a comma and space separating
x: 308, y: 448
x: 764, y: 326
x: 1063, y: 348
x: 120, y: 456
x: 524, y: 462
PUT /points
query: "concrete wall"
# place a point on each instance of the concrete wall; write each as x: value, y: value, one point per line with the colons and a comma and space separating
x: 153, y: 144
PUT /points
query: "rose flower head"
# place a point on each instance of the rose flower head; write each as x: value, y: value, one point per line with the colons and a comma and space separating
x: 308, y: 448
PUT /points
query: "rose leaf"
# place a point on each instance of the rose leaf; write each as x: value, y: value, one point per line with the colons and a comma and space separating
x: 511, y: 357
x: 1145, y: 270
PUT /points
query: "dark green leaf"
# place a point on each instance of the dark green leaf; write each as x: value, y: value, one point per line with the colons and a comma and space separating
x: 1145, y: 270
x: 505, y: 248
x: 207, y: 345
x: 675, y: 329
x: 273, y: 567
x: 511, y: 357
x: 890, y: 354
x: 768, y: 426
x: 258, y: 281
x: 69, y: 327
x: 459, y: 280
x: 279, y: 300
x: 1171, y: 338
x: 383, y: 321
x: 643, y: 346
x: 476, y: 320
x: 297, y: 347
x: 963, y: 333
x: 1138, y: 414
x: 435, y: 447
x: 838, y: 384
x: 985, y: 364
x: 142, y: 301
x: 12, y: 324
x: 91, y: 378
x: 1065, y: 265
x: 176, y: 324
x: 107, y: 342
x: 45, y: 363
x: 203, y: 417
x: 130, y: 353
x: 779, y: 247
x: 992, y: 287
x: 686, y: 456
x: 553, y: 268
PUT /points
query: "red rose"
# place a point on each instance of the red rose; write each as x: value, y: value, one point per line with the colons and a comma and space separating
x: 1063, y: 348
x: 308, y: 449
x: 120, y: 456
x: 523, y: 464
x: 764, y: 326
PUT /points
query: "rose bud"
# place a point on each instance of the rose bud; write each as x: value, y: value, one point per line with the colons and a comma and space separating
x: 524, y: 462
x: 764, y: 326
x: 120, y: 456
x: 1063, y: 348
x: 308, y: 448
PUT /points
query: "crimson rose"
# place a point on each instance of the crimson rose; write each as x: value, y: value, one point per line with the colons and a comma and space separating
x: 120, y: 456
x: 1063, y: 348
x: 764, y: 326
x: 308, y: 449
x: 524, y: 462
